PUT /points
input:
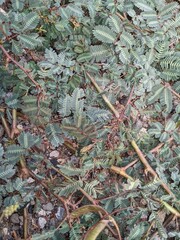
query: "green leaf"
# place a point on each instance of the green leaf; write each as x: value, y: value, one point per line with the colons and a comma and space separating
x: 70, y: 171
x: 157, y: 90
x: 164, y: 137
x: 127, y: 39
x: 143, y: 5
x: 18, y: 4
x: 104, y: 34
x: 168, y: 8
x: 1, y: 150
x: 170, y: 125
x: 137, y: 232
x: 31, y: 21
x: 84, y: 57
x: 53, y: 132
x: 7, y: 172
x: 74, y: 10
x: 168, y: 100
x: 14, y: 151
x: 115, y: 23
x: 30, y: 40
x: 44, y: 235
x: 100, y: 52
x: 16, y: 48
x: 27, y: 140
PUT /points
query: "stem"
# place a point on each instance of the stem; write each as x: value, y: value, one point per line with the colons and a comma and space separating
x: 160, y: 145
x: 1, y: 217
x: 122, y: 172
x: 61, y: 199
x: 25, y: 223
x: 175, y: 93
x: 6, y: 127
x: 86, y: 195
x: 14, y: 116
x: 130, y: 97
x: 106, y: 100
x: 21, y: 67
x: 149, y: 168
x: 80, y: 189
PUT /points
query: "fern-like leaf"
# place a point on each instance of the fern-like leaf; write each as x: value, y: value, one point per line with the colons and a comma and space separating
x: 169, y: 8
x: 70, y: 171
x: 31, y: 21
x: 104, y: 34
x: 100, y: 52
x: 115, y: 23
x: 27, y: 140
x: 7, y: 172
x: 90, y: 188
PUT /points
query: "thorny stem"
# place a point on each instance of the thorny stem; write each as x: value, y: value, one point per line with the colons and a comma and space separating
x: 21, y: 67
x: 122, y: 172
x: 86, y: 195
x: 106, y: 100
x: 149, y: 168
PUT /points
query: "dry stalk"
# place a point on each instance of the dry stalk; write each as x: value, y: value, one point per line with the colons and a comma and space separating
x: 106, y: 100
x: 149, y: 168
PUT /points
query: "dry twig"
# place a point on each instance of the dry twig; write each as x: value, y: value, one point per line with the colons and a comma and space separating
x: 106, y: 100
x: 149, y: 168
x: 21, y: 67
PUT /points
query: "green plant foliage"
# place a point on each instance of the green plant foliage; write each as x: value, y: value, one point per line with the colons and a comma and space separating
x: 79, y: 81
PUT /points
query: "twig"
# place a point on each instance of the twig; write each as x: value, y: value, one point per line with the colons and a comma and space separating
x: 14, y: 117
x: 149, y: 168
x: 47, y: 188
x: 25, y: 223
x: 85, y: 194
x: 116, y: 113
x: 80, y: 189
x: 167, y: 85
x: 175, y: 93
x: 122, y: 170
x: 160, y: 145
x: 6, y: 127
x: 21, y: 67
x: 130, y: 97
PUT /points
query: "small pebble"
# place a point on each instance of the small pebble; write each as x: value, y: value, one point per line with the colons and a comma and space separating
x: 42, y: 222
x: 14, y: 218
x: 5, y: 231
x: 60, y: 213
x: 42, y: 212
x: 48, y: 207
x: 54, y: 154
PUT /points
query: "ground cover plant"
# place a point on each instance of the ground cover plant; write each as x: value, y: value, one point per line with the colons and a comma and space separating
x: 90, y: 117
